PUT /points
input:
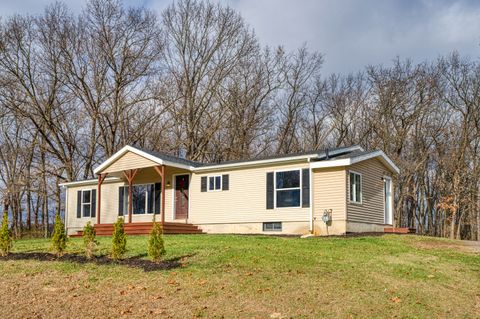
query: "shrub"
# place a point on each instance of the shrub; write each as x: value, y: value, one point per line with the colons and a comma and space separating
x: 59, y: 238
x: 5, y: 237
x: 156, y: 247
x: 89, y: 240
x: 119, y: 240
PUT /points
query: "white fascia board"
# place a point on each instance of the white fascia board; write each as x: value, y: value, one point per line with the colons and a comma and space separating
x: 288, y: 159
x: 89, y: 182
x: 178, y: 165
x: 350, y: 161
x: 331, y: 163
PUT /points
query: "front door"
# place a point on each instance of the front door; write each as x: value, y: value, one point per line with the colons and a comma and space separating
x: 181, y: 196
x: 387, y: 191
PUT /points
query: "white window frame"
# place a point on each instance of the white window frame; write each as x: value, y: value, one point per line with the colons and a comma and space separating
x: 214, y: 180
x: 146, y: 200
x: 355, y: 201
x: 89, y: 203
x: 286, y: 189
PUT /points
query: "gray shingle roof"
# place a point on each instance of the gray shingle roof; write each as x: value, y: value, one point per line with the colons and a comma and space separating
x: 339, y: 152
x: 171, y: 158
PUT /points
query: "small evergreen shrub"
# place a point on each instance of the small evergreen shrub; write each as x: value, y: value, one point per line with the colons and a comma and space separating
x: 156, y: 246
x: 6, y: 242
x: 59, y: 238
x: 89, y: 240
x: 119, y: 240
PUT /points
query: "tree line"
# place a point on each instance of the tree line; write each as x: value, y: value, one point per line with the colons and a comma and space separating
x: 195, y: 81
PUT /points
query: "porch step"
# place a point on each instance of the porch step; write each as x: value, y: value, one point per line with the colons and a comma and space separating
x: 143, y: 228
x: 399, y: 230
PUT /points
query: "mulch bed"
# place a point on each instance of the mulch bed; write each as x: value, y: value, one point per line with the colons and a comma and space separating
x: 134, y: 262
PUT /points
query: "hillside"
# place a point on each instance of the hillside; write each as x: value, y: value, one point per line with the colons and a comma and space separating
x: 215, y: 276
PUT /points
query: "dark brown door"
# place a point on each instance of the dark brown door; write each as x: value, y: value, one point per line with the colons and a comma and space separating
x: 181, y: 196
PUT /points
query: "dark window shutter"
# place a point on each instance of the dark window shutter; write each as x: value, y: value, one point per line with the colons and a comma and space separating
x: 204, y: 184
x: 305, y: 187
x: 121, y: 191
x: 79, y: 204
x: 158, y: 190
x: 225, y: 182
x: 93, y: 207
x: 270, y: 190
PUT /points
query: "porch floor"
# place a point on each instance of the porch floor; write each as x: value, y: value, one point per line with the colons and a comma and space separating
x: 143, y: 228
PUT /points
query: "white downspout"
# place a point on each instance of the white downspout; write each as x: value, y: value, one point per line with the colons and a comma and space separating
x: 311, y: 196
x: 66, y: 210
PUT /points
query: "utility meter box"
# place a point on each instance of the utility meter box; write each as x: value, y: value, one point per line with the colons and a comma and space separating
x: 327, y: 216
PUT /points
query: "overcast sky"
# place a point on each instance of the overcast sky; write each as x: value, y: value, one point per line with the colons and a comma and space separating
x: 350, y: 33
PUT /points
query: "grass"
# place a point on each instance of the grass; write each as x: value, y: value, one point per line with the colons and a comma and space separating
x: 226, y: 276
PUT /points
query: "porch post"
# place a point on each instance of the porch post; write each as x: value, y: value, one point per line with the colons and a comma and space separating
x: 130, y: 175
x: 130, y: 200
x: 101, y: 178
x: 161, y: 171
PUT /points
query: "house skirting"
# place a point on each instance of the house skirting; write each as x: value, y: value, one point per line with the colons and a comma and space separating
x: 335, y: 227
x: 288, y: 228
x: 354, y: 227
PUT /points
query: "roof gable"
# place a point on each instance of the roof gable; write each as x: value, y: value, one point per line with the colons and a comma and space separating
x: 145, y: 159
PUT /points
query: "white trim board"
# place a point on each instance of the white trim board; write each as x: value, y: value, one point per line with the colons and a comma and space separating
x: 90, y: 182
x: 350, y: 161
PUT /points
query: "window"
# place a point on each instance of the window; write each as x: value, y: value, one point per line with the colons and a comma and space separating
x: 287, y: 188
x: 273, y: 226
x: 145, y: 199
x: 355, y: 188
x: 86, y: 203
x: 215, y: 183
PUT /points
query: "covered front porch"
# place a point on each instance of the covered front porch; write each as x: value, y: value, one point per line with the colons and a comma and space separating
x: 146, y: 186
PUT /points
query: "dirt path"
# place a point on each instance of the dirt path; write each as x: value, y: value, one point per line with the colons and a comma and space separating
x: 473, y: 245
x: 462, y: 245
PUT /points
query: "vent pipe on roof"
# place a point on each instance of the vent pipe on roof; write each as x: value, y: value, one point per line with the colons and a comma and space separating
x: 327, y: 155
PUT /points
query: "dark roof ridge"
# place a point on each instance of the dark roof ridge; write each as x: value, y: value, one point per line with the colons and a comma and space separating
x: 321, y: 154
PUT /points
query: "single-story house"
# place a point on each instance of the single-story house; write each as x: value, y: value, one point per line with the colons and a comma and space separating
x: 328, y: 192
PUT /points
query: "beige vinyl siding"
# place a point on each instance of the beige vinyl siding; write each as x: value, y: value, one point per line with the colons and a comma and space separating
x: 245, y: 201
x: 129, y: 161
x: 109, y: 203
x: 329, y: 192
x: 371, y: 210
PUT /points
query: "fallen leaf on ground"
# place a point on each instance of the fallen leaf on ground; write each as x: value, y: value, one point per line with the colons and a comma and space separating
x: 396, y: 299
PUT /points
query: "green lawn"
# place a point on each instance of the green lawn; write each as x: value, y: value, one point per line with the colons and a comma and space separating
x: 226, y: 276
